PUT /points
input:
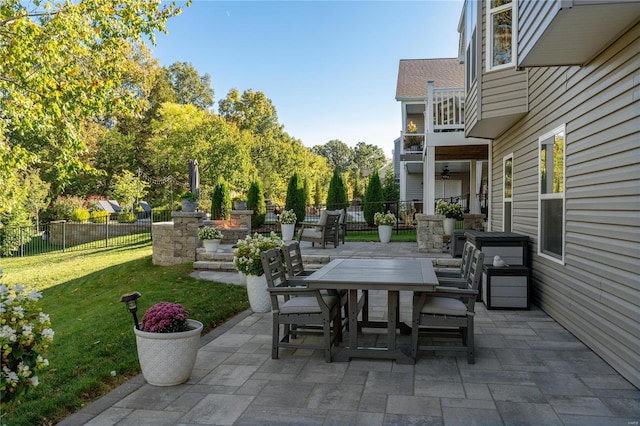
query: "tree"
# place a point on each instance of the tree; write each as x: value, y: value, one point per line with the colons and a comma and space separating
x: 337, y: 195
x: 67, y: 62
x: 189, y: 88
x: 373, y: 198
x: 251, y: 111
x: 390, y: 189
x: 128, y: 188
x: 296, y: 197
x: 37, y: 192
x: 221, y: 201
x: 366, y: 156
x: 337, y: 153
x: 255, y: 202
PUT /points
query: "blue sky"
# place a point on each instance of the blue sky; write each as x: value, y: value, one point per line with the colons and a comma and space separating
x: 329, y: 67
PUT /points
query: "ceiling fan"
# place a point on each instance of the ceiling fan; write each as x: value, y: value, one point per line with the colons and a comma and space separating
x: 445, y: 173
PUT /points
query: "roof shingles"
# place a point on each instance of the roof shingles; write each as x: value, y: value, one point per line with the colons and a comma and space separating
x: 413, y: 75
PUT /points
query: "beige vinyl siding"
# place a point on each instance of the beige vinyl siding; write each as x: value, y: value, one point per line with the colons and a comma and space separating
x: 471, y: 107
x: 504, y: 92
x: 414, y: 189
x: 596, y: 293
x: 533, y: 18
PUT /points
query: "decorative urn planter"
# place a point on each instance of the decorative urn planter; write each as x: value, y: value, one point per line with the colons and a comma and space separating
x: 287, y: 231
x: 384, y: 232
x: 259, y: 298
x: 189, y: 206
x: 167, y: 359
x: 211, y: 246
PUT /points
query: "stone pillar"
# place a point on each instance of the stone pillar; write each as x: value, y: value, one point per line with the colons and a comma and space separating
x: 242, y: 217
x: 163, y: 244
x: 429, y: 233
x: 474, y: 222
x: 185, y: 235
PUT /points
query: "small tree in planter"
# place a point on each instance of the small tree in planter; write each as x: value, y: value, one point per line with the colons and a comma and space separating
x: 221, y: 201
x: 296, y: 197
x: 255, y: 202
x: 337, y: 194
x: 373, y: 199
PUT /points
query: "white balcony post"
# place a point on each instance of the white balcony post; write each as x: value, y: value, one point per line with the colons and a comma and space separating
x: 430, y: 110
x: 429, y: 180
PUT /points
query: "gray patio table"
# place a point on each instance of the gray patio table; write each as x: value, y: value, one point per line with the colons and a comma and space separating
x: 392, y: 275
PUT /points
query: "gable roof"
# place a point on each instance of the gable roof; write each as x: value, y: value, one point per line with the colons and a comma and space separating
x: 413, y: 75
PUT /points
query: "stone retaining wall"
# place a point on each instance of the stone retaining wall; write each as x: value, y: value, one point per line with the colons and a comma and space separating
x: 62, y: 233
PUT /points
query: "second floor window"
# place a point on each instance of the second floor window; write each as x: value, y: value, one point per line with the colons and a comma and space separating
x: 500, y: 25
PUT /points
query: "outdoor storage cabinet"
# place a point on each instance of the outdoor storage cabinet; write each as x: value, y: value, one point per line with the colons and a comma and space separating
x: 505, y: 287
x: 457, y: 242
x: 512, y: 248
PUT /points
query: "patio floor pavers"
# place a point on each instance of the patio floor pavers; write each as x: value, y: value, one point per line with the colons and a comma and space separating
x: 528, y: 370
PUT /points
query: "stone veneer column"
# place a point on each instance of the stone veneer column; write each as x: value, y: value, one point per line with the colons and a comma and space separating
x: 242, y: 217
x: 429, y: 233
x: 163, y: 244
x: 185, y: 235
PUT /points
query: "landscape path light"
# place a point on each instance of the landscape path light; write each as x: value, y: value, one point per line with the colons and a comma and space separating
x: 131, y: 300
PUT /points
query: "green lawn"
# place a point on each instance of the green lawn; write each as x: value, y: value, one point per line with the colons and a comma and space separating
x: 93, y: 330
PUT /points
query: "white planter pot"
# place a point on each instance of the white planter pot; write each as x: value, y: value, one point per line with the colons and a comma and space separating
x: 211, y: 246
x: 167, y: 359
x: 287, y: 231
x: 259, y: 298
x: 449, y: 225
x: 384, y: 232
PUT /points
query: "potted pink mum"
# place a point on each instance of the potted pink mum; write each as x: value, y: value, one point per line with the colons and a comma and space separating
x: 168, y: 343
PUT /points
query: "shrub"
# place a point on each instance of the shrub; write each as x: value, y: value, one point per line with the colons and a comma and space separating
x: 63, y: 207
x: 25, y: 335
x: 127, y: 217
x: 373, y: 199
x: 221, y: 201
x: 296, y: 199
x: 161, y: 215
x: 80, y: 215
x: 255, y: 202
x: 337, y: 194
x: 99, y: 216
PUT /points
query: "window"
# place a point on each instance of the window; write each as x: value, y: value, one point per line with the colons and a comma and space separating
x: 507, y: 192
x: 551, y: 181
x: 470, y: 14
x: 500, y: 34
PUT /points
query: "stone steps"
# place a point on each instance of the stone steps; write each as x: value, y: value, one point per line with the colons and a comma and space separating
x: 223, y: 261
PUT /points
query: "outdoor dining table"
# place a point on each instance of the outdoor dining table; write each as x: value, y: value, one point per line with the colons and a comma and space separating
x: 392, y: 275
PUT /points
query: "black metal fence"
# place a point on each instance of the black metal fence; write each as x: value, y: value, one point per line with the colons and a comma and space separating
x: 356, y: 224
x: 74, y: 236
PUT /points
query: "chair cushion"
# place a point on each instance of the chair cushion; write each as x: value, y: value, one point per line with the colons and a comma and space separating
x: 313, y: 233
x: 305, y: 305
x: 444, y: 306
x: 323, y: 218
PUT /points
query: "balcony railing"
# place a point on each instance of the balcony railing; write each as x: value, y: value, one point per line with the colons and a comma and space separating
x: 445, y: 107
x: 444, y: 112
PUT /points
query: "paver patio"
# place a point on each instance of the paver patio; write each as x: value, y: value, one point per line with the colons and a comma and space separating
x: 528, y: 370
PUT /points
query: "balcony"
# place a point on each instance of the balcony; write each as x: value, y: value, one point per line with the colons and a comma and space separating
x: 443, y: 113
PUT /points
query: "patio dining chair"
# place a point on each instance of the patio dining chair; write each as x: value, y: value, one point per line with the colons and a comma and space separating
x: 310, y: 311
x: 296, y: 274
x: 458, y: 278
x: 449, y: 312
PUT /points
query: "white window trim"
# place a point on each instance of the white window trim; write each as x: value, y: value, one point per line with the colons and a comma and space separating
x: 506, y: 199
x: 561, y: 261
x: 489, y: 35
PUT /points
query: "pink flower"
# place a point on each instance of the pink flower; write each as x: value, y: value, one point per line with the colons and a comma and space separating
x: 165, y: 317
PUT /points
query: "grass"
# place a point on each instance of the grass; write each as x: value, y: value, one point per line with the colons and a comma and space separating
x: 405, y: 236
x: 93, y: 330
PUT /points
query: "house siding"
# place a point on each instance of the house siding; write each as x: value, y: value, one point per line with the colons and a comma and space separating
x: 596, y: 293
x: 533, y: 18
